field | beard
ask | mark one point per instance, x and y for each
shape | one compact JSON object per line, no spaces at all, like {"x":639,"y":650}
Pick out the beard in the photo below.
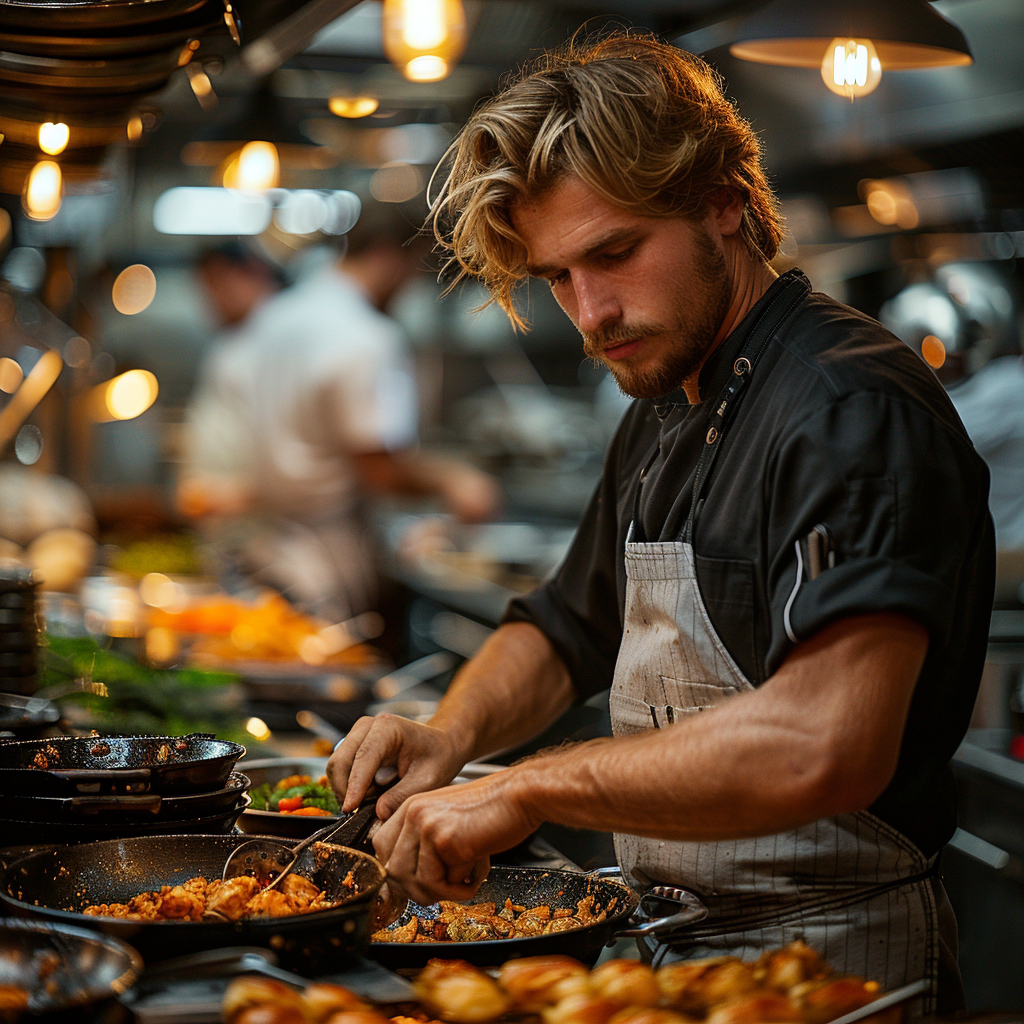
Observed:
{"x":688,"y":337}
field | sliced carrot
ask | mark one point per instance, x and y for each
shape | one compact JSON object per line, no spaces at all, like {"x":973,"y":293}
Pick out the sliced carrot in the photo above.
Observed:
{"x":289,"y":803}
{"x":311,"y":812}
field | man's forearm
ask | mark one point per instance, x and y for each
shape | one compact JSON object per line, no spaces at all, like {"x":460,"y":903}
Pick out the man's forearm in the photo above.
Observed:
{"x":514,"y":687}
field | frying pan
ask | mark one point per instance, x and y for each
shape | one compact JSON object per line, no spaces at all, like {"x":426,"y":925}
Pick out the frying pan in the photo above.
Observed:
{"x":109,"y":807}
{"x":130,"y":765}
{"x":531,"y":887}
{"x":56,"y":884}
{"x":61,"y":15}
{"x":92,"y":968}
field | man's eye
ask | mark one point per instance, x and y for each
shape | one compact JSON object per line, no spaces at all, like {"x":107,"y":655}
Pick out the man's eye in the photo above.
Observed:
{"x":620,"y":255}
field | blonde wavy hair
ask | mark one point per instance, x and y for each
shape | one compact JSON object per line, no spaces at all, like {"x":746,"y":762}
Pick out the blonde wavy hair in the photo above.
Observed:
{"x":644,"y":124}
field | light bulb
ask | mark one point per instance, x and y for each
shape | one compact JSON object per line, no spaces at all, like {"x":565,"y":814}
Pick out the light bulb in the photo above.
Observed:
{"x":43,"y":191}
{"x":851,"y":67}
{"x":130,"y":394}
{"x":256,"y":168}
{"x":424,"y":37}
{"x":353,"y":106}
{"x":53,"y":138}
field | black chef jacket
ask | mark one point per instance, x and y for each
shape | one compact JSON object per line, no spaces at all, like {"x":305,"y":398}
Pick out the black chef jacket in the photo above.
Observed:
{"x":841,"y":425}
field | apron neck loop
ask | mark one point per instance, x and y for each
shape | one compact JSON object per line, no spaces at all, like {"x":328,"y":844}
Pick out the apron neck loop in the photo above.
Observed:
{"x":724,"y":408}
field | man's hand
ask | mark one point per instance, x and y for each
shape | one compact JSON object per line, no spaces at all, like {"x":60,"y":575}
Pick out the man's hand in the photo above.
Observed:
{"x":425,"y":758}
{"x":437,"y":845}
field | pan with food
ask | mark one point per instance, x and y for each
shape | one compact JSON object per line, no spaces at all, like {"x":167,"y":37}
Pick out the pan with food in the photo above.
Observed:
{"x":60,"y":884}
{"x":66,"y":765}
{"x":525,"y":911}
{"x":49,"y":968}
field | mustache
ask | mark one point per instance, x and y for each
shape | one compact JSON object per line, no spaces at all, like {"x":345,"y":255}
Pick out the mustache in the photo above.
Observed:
{"x":595,"y":342}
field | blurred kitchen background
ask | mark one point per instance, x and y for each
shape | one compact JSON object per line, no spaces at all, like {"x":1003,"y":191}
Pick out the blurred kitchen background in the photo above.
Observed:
{"x":145,"y":141}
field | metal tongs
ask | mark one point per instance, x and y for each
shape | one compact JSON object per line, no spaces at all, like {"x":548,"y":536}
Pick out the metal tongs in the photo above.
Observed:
{"x":264,"y":856}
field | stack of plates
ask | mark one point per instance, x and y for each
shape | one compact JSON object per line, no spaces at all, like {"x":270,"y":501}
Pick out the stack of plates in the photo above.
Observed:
{"x":19,"y":632}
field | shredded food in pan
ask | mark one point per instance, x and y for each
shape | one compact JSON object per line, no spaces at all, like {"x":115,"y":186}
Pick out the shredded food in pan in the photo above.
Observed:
{"x":477,"y":922}
{"x":237,"y":898}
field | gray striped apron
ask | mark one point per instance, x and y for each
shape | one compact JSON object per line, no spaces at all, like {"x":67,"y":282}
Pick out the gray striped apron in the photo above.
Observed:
{"x":850,"y":886}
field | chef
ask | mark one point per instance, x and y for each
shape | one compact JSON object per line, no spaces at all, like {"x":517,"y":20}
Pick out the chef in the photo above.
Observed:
{"x":784,"y":576}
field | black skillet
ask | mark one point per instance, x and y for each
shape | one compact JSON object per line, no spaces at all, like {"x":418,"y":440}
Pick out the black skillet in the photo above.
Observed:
{"x":56,"y":884}
{"x":531,"y":887}
{"x":116,"y":764}
{"x":89,"y":969}
{"x":94,"y":15}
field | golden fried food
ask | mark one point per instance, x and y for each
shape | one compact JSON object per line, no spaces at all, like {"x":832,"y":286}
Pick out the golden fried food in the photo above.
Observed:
{"x":582,"y":1008}
{"x":782,"y":969}
{"x":477,"y":922}
{"x":270,"y":1015}
{"x":237,"y":898}
{"x":323,"y":999}
{"x":830,"y":999}
{"x":538,"y":981}
{"x":13,"y":1000}
{"x":459,"y":992}
{"x":366,"y":1016}
{"x":694,"y":986}
{"x":253,"y":991}
{"x":650,"y":1015}
{"x":756,"y":1008}
{"x":626,"y":982}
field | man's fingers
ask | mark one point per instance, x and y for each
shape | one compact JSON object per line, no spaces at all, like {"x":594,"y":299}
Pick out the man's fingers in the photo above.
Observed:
{"x":380,"y":744}
{"x":340,"y":763}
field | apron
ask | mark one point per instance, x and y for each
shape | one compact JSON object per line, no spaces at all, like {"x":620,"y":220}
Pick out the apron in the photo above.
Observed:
{"x":851,"y":887}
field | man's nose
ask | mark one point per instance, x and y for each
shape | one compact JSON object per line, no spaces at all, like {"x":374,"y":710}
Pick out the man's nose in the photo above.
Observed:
{"x":596,"y":306}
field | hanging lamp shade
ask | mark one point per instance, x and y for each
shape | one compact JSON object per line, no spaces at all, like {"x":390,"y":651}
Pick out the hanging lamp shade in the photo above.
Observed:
{"x":906,"y":34}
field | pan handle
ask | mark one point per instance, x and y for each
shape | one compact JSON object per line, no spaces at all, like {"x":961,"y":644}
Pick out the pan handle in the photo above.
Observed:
{"x":691,"y":910}
{"x":102,"y":774}
{"x":144,"y":802}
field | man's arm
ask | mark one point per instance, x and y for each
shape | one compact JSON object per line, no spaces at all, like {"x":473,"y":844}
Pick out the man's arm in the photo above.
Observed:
{"x":513,"y":688}
{"x":820,"y":737}
{"x":472,"y":496}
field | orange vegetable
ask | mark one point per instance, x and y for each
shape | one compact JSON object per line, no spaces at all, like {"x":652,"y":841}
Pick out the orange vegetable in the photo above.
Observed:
{"x":289,"y":803}
{"x":309,"y":812}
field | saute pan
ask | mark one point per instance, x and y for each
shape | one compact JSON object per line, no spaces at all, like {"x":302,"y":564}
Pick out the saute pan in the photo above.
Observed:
{"x":531,"y":887}
{"x":116,"y":764}
{"x":57,"y":884}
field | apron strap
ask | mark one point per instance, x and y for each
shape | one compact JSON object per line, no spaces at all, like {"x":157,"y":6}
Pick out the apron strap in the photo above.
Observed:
{"x":724,"y":408}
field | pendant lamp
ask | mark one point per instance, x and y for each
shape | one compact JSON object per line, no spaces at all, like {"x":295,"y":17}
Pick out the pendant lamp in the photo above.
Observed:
{"x":851,"y":41}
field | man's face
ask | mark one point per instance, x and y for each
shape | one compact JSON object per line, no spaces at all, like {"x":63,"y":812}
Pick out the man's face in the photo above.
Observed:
{"x":648,"y":294}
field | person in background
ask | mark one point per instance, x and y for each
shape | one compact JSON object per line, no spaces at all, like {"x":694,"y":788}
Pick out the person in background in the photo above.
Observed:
{"x":316,"y":410}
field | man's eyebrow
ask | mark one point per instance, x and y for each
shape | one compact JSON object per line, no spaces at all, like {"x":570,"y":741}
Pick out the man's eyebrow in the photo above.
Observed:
{"x":615,"y":237}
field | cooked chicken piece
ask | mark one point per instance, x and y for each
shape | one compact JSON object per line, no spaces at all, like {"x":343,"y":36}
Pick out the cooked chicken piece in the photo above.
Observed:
{"x":180,"y":904}
{"x":110,"y":910}
{"x":403,"y":933}
{"x":200,"y":886}
{"x":473,"y":910}
{"x":468,"y":929}
{"x":252,"y":991}
{"x":270,"y":1015}
{"x":563,"y":912}
{"x":272,"y":903}
{"x":650,"y":1015}
{"x":231,"y":898}
{"x":587,"y":913}
{"x":626,"y":982}
{"x":459,"y":992}
{"x":694,"y":986}
{"x":322,"y":1000}
{"x":538,"y":981}
{"x":300,"y":889}
{"x":830,"y":999}
{"x":562,"y":924}
{"x":163,"y":754}
{"x":583,"y":1008}
{"x":756,"y":1008}
{"x":500,"y":928}
{"x":783,"y":968}
{"x":358,"y":1017}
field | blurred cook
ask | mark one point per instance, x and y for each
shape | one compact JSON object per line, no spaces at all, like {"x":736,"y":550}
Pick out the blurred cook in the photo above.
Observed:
{"x":785,"y":575}
{"x":323,"y":401}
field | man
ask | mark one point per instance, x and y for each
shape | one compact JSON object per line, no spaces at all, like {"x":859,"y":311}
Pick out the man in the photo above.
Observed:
{"x":784,"y":576}
{"x":323,"y":402}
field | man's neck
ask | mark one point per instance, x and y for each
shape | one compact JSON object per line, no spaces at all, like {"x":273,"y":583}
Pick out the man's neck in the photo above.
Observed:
{"x":750,"y":279}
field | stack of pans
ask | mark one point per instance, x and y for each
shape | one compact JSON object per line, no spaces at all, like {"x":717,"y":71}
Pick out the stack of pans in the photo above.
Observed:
{"x":19,"y":631}
{"x":80,"y":789}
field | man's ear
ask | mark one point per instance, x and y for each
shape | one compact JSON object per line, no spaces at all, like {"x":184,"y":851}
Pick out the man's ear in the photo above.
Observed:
{"x":725,"y":207}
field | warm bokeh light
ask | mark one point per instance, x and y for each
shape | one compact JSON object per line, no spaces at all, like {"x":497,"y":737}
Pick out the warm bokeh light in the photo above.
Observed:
{"x":33,"y":389}
{"x":933,"y":351}
{"x":43,"y":191}
{"x":424,"y":38}
{"x":255,"y":169}
{"x":134,"y":289}
{"x":160,"y":591}
{"x":130,"y":394}
{"x":162,"y":646}
{"x":77,"y":352}
{"x":134,"y":128}
{"x":396,"y":182}
{"x":353,"y":106}
{"x":890,"y":202}
{"x":851,"y":67}
{"x":53,"y":137}
{"x":10,"y":375}
{"x":257,"y":728}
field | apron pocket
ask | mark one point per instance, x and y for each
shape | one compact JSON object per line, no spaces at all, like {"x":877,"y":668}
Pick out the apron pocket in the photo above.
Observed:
{"x":727,"y":589}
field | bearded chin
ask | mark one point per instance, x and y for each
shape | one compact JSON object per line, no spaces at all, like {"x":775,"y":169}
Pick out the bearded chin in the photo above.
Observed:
{"x":663,"y":379}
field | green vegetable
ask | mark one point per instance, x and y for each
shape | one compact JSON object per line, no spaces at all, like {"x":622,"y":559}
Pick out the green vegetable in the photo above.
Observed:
{"x":260,"y":797}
